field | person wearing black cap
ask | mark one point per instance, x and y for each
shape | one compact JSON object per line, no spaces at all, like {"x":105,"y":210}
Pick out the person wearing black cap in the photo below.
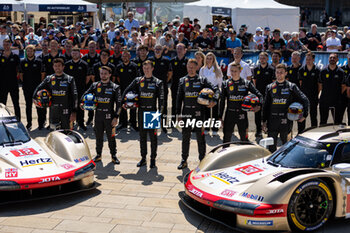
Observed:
{"x":85,"y":39}
{"x":243,"y":37}
{"x":103,"y":42}
{"x":142,"y":55}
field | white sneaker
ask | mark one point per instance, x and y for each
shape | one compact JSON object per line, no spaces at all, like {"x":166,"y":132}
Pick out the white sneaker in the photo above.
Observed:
{"x":215,"y":133}
{"x":206,"y":132}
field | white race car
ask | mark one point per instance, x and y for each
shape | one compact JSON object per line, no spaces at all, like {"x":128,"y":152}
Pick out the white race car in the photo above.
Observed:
{"x":58,"y":164}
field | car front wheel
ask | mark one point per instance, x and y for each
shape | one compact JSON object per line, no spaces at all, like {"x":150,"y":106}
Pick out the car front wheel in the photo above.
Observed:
{"x":310,"y":206}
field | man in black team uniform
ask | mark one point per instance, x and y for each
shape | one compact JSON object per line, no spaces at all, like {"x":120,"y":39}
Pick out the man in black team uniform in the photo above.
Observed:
{"x":64,"y":96}
{"x":9,"y":64}
{"x":91,"y":58}
{"x":178,"y":65}
{"x":150,"y":91}
{"x":308,"y":78}
{"x":104,"y":55}
{"x":30,"y":75}
{"x":116,"y":58}
{"x":142,"y":56}
{"x":47,"y":66}
{"x":78,"y":69}
{"x":263,"y":75}
{"x":125,"y":73}
{"x":188,"y":108}
{"x":279,"y":95}
{"x":162,"y":71}
{"x":108,"y":97}
{"x":293,"y":69}
{"x":346,"y":69}
{"x":233,"y":91}
{"x":332,"y":83}
{"x":68,"y":46}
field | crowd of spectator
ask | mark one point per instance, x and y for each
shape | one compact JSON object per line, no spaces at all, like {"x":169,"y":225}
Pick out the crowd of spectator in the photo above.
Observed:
{"x":218,"y":36}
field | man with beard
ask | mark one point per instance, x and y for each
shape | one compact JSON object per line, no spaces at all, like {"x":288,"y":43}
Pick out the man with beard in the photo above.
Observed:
{"x":78,"y":69}
{"x":142,"y":52}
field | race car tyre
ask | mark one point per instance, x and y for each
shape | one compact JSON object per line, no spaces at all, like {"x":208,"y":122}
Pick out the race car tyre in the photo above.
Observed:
{"x":310,"y":206}
{"x":86,"y":182}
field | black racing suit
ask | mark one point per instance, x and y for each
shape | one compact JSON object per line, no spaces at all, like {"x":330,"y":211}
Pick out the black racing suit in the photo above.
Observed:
{"x":108,"y":97}
{"x":64,"y":99}
{"x":277,"y":100}
{"x":190,"y":109}
{"x":149,"y":90}
{"x":232,"y":93}
{"x":345,"y":99}
{"x":309,"y":86}
{"x":31,"y":70}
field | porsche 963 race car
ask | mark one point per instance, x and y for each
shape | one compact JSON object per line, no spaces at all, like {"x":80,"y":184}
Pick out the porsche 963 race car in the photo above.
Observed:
{"x":299,"y":187}
{"x":33,"y":168}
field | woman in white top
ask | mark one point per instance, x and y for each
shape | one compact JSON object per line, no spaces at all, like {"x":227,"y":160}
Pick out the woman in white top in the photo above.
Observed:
{"x":212,"y":71}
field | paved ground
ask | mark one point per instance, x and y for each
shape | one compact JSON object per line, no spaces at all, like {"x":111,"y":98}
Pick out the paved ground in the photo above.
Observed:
{"x":128,"y":199}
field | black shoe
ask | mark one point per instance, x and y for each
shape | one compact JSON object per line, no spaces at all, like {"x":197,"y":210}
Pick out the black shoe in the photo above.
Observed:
{"x":165,"y":130}
{"x":89,"y":122}
{"x":258,"y":134}
{"x":201,"y":157}
{"x":135,"y":128}
{"x":182,"y":165}
{"x":115,"y":160}
{"x":141,"y":163}
{"x":83,"y":127}
{"x":153,"y":163}
{"x":29,"y":126}
{"x":98,"y":158}
{"x":41,"y":127}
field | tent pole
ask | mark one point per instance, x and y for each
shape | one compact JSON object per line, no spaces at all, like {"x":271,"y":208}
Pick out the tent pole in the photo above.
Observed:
{"x":100,"y":10}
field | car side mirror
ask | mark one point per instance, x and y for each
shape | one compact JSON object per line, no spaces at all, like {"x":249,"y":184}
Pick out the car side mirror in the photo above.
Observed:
{"x":341,"y":168}
{"x":266,"y":142}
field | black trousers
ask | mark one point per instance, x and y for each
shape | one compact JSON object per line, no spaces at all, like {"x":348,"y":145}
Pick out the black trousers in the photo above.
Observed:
{"x":80,"y":112}
{"x":313,"y":116}
{"x":14,"y":93}
{"x":143,"y":138}
{"x":60,"y":116}
{"x":278,"y":126}
{"x":233,"y":118}
{"x":41,"y":112}
{"x":214,"y":115}
{"x":124,"y":117}
{"x":336,"y":112}
{"x":186,"y":138}
{"x":165,"y":106}
{"x":257,"y":118}
{"x":101,"y":126}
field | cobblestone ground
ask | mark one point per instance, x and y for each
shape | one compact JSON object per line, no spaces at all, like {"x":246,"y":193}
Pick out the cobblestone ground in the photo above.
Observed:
{"x":128,"y":199}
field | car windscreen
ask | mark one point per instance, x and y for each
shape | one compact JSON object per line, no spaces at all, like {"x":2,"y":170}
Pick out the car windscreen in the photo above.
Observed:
{"x":13,"y":132}
{"x":301,"y":152}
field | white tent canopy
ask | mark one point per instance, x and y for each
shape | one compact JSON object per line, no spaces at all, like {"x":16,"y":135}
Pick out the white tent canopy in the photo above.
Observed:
{"x":253,"y":13}
{"x":11,"y":5}
{"x":60,"y":5}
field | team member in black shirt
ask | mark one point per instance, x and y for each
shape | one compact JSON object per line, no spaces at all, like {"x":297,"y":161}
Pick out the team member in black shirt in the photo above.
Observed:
{"x":9,"y":63}
{"x":30,"y":75}
{"x":178,"y":65}
{"x":125,"y":73}
{"x":142,"y":55}
{"x":264,"y":74}
{"x":116,"y":58}
{"x":293,"y":69}
{"x":104,"y":55}
{"x":47,"y":67}
{"x":332,"y":84}
{"x":346,"y":69}
{"x":162,"y":71}
{"x":78,"y":69}
{"x":308,"y":79}
{"x":92,"y":57}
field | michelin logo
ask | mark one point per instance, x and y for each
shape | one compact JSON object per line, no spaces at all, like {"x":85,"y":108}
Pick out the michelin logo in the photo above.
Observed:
{"x":259,"y":223}
{"x":151,"y":120}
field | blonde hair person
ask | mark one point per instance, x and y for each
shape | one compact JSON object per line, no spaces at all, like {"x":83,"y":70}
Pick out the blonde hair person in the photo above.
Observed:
{"x":212,"y":72}
{"x":200,"y":57}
